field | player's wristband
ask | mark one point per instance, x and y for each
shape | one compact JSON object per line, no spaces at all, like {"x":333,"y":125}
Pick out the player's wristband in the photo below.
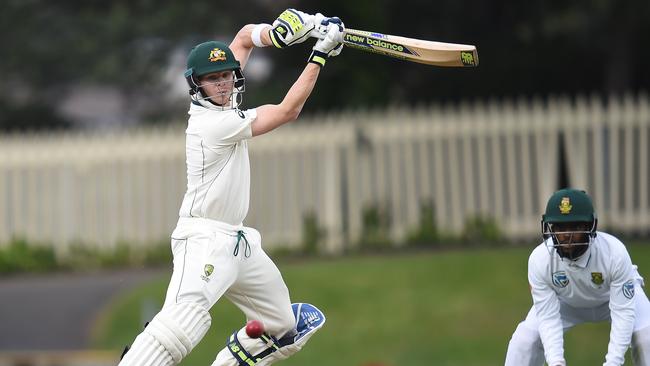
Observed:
{"x":256,"y":35}
{"x":318,"y":58}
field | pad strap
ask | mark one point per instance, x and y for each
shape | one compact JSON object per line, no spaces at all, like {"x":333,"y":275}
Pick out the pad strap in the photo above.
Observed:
{"x":244,"y":358}
{"x":239,"y":353}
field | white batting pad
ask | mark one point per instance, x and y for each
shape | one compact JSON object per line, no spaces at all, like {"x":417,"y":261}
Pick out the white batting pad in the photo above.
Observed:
{"x":170,"y":336}
{"x":147,"y":351}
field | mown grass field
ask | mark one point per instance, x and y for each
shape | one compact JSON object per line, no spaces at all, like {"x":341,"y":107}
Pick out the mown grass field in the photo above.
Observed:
{"x":418,"y":308}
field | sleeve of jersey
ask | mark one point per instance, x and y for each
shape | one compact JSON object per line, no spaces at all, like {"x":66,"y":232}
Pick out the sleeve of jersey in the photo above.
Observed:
{"x":232,"y":128}
{"x":621,"y":306}
{"x":547,"y":307}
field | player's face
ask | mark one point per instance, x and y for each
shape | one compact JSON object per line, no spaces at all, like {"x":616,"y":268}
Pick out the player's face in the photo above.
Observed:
{"x":570,"y":233}
{"x":218,"y":86}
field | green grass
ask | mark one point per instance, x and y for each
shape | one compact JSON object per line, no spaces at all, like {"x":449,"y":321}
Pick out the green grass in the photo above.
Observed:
{"x":425,"y":308}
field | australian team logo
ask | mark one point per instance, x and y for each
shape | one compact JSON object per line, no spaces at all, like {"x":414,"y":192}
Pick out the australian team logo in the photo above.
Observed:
{"x":597,"y":278}
{"x":565,"y":206}
{"x":207,"y":270}
{"x":217,"y":54}
{"x":628,"y":289}
{"x":560,"y":279}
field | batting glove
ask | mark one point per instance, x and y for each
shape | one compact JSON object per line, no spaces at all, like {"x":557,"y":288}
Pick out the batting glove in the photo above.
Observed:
{"x":292,"y":27}
{"x":331,"y":43}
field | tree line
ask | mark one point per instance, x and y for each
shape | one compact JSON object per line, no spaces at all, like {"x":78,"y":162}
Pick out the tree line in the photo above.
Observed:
{"x":538,"y":47}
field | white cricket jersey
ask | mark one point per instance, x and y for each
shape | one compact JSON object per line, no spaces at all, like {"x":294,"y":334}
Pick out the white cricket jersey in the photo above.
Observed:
{"x":603,"y":274}
{"x":218,"y":168}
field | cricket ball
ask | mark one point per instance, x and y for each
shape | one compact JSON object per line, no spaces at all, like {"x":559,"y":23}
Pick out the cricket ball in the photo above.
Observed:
{"x":254,"y":328}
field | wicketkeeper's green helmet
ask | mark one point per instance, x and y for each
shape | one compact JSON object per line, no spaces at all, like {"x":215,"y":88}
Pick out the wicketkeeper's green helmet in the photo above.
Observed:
{"x":208,"y":57}
{"x":569,"y":206}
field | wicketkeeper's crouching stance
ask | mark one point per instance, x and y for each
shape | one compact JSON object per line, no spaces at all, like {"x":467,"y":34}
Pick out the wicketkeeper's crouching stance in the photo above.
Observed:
{"x":579,"y":275}
{"x":214,"y":254}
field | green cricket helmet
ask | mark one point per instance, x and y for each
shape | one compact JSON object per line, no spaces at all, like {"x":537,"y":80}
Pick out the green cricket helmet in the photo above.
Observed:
{"x":209,"y":57}
{"x":570,"y":212}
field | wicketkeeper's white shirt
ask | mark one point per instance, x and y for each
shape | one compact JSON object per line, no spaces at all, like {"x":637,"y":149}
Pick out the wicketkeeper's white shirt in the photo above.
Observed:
{"x":603,"y":274}
{"x":218,"y":167}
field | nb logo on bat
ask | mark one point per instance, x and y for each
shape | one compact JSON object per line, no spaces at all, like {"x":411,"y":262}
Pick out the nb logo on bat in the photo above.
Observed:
{"x":467,"y":58}
{"x":361,"y":40}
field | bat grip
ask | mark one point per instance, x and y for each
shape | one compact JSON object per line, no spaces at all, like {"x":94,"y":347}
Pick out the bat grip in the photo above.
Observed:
{"x":316,"y":34}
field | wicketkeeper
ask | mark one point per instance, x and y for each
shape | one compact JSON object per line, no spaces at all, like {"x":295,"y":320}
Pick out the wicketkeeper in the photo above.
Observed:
{"x":214,"y":254}
{"x":580,"y":275}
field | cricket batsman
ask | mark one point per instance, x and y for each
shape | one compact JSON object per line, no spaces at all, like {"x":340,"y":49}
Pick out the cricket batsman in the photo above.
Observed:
{"x":214,"y":254}
{"x":580,"y":275}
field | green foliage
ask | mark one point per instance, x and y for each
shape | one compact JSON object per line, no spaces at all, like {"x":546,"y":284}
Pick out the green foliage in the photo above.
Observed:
{"x":312,"y":233}
{"x":481,"y":230}
{"x":427,"y":231}
{"x":375,"y":222}
{"x":477,"y":230}
{"x":157,"y":255}
{"x":82,"y":257}
{"x":20,"y":257}
{"x":130,"y":45}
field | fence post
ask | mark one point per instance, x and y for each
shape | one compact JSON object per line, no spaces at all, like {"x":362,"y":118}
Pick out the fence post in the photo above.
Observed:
{"x":643,"y":119}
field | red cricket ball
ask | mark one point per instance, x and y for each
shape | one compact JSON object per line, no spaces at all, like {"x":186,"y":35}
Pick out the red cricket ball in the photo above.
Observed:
{"x":254,"y":328}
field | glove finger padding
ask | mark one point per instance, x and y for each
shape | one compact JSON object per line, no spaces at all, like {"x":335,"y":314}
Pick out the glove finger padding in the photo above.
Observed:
{"x":336,"y":51}
{"x":322,"y":24}
{"x":324,"y":29}
{"x":331,"y":44}
{"x":291,"y":27}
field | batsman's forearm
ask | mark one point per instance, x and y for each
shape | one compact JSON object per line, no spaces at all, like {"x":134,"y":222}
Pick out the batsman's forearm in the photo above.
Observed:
{"x":242,"y":45}
{"x":272,"y":116}
{"x":300,"y":90}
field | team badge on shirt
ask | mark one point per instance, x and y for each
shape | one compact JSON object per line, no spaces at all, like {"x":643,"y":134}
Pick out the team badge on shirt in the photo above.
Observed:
{"x":560,"y":279}
{"x":208,"y":269}
{"x":628,"y":289}
{"x":597,"y":278}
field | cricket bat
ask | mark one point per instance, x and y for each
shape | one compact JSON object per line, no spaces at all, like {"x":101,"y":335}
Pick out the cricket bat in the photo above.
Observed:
{"x":411,"y":49}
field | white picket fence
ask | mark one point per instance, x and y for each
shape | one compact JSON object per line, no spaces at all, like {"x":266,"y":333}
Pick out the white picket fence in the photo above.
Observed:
{"x":496,"y":159}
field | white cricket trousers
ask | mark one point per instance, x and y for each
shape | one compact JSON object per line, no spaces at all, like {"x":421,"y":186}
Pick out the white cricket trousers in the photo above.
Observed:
{"x":212,"y":259}
{"x":526,"y":349}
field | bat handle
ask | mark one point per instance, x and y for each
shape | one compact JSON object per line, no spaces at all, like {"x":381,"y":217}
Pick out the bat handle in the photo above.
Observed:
{"x":316,"y":34}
